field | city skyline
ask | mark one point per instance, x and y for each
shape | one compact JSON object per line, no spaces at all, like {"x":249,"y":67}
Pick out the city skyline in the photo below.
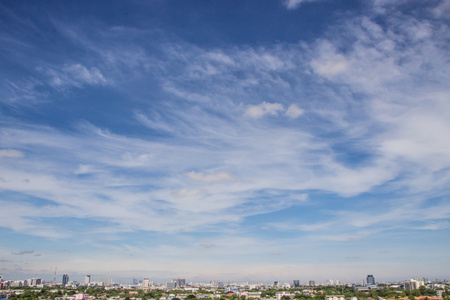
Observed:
{"x":225,"y":140}
{"x":183,"y":283}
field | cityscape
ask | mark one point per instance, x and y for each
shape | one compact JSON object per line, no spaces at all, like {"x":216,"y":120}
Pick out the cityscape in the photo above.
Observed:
{"x":414,"y":288}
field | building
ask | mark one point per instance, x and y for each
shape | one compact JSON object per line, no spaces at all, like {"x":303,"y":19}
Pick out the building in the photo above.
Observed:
{"x":181,"y":282}
{"x":146,"y":283}
{"x":312,"y":283}
{"x":87,"y":279}
{"x":414,"y":283}
{"x":335,"y":297}
{"x":171,"y":285}
{"x":296,"y":283}
{"x":36,"y":281}
{"x":370,"y":280}
{"x":279,"y":295}
{"x":65,"y":279}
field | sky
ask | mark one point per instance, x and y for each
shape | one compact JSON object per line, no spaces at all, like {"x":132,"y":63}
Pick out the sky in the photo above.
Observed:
{"x":234,"y":140}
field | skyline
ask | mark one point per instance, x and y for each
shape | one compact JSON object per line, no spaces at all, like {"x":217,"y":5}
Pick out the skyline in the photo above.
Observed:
{"x":101,"y":281}
{"x":225,"y":140}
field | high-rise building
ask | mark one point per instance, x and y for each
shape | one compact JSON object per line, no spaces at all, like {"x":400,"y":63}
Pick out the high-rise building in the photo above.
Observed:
{"x":296,"y":283}
{"x":181,"y":282}
{"x":171,"y":285}
{"x":370,"y":280}
{"x":65,"y":279}
{"x":36,"y":281}
{"x":87,"y":279}
{"x":146,"y":283}
{"x":414,"y":283}
{"x":312,"y":283}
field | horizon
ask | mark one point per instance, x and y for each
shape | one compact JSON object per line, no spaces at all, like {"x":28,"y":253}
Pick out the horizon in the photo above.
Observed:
{"x":225,"y":140}
{"x":129,"y":280}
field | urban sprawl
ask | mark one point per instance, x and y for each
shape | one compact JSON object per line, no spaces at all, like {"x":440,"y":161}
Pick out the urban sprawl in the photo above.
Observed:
{"x":178,"y":289}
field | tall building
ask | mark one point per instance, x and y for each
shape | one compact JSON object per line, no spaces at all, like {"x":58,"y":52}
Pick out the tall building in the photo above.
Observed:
{"x":414,"y":284}
{"x":370,"y":280}
{"x":296,"y":283}
{"x":312,"y":283}
{"x":65,"y":279}
{"x":180,"y":282}
{"x":36,"y":281}
{"x":171,"y":285}
{"x":146,"y":283}
{"x":87,"y":279}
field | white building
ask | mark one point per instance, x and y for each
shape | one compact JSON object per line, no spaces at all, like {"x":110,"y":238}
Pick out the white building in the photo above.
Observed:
{"x":335,"y":297}
{"x":414,"y":283}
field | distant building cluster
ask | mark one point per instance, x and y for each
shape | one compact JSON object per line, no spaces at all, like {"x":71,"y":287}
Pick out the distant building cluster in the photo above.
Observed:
{"x":247,"y":289}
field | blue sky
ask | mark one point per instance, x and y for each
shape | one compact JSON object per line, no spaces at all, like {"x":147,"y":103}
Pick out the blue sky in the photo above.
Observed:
{"x":225,"y":140}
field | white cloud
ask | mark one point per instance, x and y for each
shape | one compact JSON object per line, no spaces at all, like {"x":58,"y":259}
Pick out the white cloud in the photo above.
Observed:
{"x":265,"y":108}
{"x":378,"y":124}
{"x":293,"y":4}
{"x":10,"y":153}
{"x":435,"y":226}
{"x":189,"y":193}
{"x":294,"y":111}
{"x":209,"y":178}
{"x":329,"y":62}
{"x":75,"y":75}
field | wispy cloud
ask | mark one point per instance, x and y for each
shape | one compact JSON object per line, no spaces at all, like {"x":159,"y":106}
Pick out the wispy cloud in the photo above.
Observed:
{"x":75,"y":75}
{"x":24,"y":252}
{"x":207,"y":245}
{"x":265,"y":108}
{"x":209,"y":178}
{"x":293,"y":4}
{"x":10,"y":153}
{"x":211,"y":142}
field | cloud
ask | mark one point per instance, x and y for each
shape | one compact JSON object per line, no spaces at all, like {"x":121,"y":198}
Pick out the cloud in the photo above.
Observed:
{"x":10,"y":153}
{"x":375,"y":136}
{"x":329,"y":63}
{"x":435,"y":226}
{"x":84,"y":169}
{"x":24,"y":252}
{"x":189,"y":193}
{"x":294,"y":111}
{"x":211,"y":178}
{"x":75,"y":75}
{"x":293,"y":4}
{"x":265,"y":108}
{"x":207,"y":245}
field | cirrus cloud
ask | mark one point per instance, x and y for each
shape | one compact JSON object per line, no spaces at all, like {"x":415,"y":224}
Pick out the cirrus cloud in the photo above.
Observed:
{"x":210,"y":178}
